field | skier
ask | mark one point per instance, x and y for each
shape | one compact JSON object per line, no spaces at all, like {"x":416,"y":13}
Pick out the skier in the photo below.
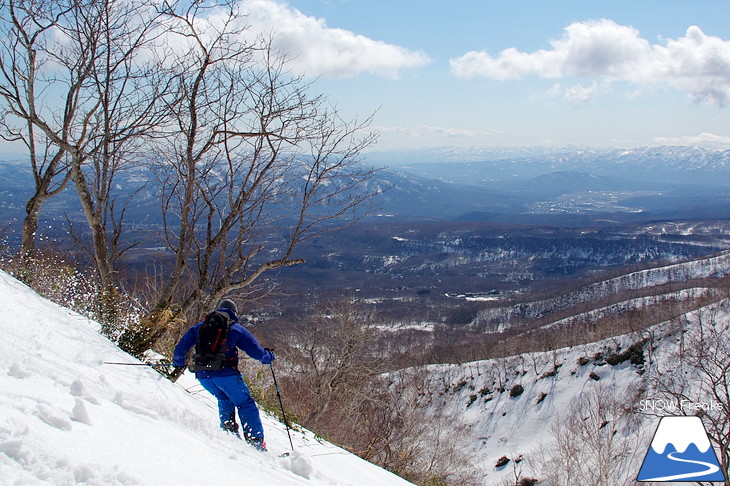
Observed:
{"x":227,"y":384}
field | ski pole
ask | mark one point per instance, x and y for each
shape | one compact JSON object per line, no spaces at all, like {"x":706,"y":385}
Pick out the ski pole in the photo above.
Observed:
{"x":281,"y":405}
{"x":172,"y":376}
{"x":154,"y":365}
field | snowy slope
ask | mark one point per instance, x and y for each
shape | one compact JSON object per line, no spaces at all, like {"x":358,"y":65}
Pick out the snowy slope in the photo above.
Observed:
{"x":494,"y":423}
{"x":68,"y":419}
{"x":477,"y":397}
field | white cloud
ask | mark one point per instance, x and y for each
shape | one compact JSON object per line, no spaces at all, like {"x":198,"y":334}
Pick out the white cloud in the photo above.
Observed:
{"x":575,"y":94}
{"x":696,"y":63}
{"x":426,"y":131}
{"x":703,"y":139}
{"x":400,"y":137}
{"x":318,"y":50}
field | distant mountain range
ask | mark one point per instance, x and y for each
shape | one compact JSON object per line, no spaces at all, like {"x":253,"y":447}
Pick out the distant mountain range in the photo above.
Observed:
{"x":578,"y":186}
{"x":475,"y":165}
{"x":574,"y":186}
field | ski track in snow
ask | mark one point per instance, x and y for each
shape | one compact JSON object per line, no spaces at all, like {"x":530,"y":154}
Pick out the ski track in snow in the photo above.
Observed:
{"x":68,"y":419}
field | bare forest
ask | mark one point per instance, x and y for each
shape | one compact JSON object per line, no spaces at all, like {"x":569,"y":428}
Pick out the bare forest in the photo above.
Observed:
{"x":251,"y":162}
{"x":388,"y":336}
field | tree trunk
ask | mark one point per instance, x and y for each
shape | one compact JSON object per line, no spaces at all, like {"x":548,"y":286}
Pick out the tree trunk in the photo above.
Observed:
{"x":105,"y":272}
{"x":27,"y":244}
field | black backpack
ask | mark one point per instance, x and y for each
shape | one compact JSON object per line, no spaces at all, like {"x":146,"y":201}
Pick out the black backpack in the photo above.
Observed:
{"x":211,"y":346}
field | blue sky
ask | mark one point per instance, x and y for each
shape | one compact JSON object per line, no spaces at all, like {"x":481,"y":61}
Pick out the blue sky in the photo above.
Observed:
{"x":518,"y":73}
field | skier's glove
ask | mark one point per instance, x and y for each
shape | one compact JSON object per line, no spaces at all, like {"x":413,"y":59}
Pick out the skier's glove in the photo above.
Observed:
{"x":176,"y":372}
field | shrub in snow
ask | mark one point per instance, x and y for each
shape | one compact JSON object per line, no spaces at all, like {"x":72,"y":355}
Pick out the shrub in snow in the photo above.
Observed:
{"x":472,"y":399}
{"x":459,"y":386}
{"x":635,"y":354}
{"x":516,"y":391}
{"x":502,"y":461}
{"x":552,"y":372}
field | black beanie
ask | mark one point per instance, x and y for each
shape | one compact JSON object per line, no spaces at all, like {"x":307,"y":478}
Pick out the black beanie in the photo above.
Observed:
{"x":228,"y":304}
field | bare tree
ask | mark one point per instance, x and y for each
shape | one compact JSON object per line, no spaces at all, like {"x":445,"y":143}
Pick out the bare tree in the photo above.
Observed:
{"x":331,"y":364}
{"x":596,"y":441}
{"x":75,"y":74}
{"x":49,"y":165}
{"x":24,"y":29}
{"x":251,"y":164}
{"x":399,"y":439}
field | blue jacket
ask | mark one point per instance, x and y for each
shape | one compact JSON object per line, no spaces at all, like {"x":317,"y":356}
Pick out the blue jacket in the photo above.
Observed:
{"x":238,"y":337}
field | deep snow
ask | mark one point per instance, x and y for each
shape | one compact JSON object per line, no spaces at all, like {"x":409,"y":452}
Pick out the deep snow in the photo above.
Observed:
{"x":68,"y":419}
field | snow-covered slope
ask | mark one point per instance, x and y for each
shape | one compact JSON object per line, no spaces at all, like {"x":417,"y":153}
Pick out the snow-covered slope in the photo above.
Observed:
{"x":66,"y":418}
{"x":510,"y":411}
{"x":506,"y":407}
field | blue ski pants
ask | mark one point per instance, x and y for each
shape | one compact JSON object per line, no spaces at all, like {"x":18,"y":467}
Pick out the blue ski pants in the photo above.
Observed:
{"x":232,"y":393}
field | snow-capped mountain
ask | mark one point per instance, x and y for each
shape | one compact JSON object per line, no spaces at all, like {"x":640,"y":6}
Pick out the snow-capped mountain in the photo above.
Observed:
{"x":661,"y":164}
{"x":67,"y":418}
{"x":578,"y":184}
{"x":519,"y":185}
{"x":662,"y":161}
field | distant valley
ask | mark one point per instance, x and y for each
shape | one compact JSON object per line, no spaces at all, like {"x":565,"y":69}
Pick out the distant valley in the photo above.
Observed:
{"x":457,"y":233}
{"x":563,"y":187}
{"x":493,"y":294}
{"x":527,"y":186}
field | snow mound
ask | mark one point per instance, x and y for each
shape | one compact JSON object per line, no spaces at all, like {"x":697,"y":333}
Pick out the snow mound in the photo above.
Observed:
{"x":66,"y":418}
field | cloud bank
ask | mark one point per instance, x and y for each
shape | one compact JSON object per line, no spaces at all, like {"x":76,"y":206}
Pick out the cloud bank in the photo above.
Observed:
{"x":695,"y":63}
{"x":703,"y":139}
{"x":427,"y":131}
{"x":318,"y":50}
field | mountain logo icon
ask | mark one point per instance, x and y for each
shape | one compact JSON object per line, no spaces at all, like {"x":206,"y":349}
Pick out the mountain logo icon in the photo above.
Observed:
{"x":681,"y":452}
